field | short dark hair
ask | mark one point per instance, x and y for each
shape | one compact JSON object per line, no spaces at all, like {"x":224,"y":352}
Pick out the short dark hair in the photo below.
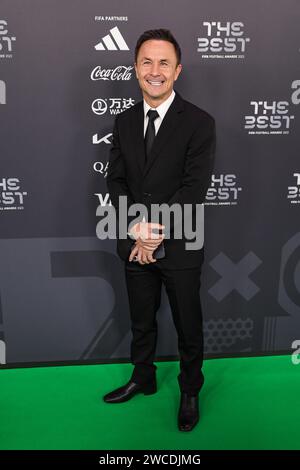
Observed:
{"x":160,"y":34}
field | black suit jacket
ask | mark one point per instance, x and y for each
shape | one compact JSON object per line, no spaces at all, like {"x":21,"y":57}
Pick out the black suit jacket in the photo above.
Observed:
{"x":178,"y":169}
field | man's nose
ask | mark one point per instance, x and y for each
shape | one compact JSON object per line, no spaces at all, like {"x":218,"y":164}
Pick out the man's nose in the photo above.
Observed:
{"x":155,"y":69}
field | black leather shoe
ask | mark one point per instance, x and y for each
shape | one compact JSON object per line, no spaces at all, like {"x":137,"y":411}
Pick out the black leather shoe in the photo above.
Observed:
{"x":188,"y":414}
{"x":128,"y":391}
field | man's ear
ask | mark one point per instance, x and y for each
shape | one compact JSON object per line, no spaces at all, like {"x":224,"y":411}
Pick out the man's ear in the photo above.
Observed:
{"x":178,"y":70}
{"x":135,"y":68}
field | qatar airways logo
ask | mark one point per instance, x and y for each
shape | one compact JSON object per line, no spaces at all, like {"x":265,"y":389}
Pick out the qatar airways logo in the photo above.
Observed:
{"x":273,"y":116}
{"x":223,"y":40}
{"x":121,"y":72}
{"x":101,"y":168}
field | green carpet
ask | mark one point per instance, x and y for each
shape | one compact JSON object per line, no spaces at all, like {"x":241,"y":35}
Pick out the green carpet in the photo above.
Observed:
{"x":246,"y":403}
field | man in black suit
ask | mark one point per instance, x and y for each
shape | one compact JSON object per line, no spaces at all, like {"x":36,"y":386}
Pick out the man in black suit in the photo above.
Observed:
{"x":163,"y":153}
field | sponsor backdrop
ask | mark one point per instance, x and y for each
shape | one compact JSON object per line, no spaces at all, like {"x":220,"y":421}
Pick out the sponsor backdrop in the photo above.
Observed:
{"x":66,"y":70}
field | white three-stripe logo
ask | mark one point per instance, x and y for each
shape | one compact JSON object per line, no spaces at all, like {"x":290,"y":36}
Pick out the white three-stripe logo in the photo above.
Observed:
{"x":109,"y":44}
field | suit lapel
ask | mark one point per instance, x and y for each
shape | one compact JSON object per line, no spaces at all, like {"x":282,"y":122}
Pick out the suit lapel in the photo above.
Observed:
{"x":167,"y":127}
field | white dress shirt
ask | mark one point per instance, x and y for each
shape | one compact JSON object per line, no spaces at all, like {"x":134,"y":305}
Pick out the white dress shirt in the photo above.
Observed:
{"x":161,"y":109}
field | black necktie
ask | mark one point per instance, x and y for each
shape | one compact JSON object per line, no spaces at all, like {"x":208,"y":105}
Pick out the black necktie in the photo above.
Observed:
{"x":149,"y":138}
{"x":150,"y":132}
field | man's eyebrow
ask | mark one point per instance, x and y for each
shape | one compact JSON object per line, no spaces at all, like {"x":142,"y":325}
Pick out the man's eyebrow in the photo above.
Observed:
{"x":161,"y":60}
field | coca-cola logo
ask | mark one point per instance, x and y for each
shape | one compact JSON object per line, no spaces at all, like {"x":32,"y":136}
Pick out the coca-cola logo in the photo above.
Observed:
{"x":121,"y":72}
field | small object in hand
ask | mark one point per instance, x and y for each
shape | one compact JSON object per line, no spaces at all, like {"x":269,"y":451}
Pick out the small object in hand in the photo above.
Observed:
{"x":159,"y":252}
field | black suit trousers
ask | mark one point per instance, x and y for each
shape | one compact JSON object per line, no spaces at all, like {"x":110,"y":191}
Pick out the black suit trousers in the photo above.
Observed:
{"x":144,"y":283}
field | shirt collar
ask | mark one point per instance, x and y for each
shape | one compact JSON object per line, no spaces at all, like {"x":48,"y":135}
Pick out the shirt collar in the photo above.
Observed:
{"x":162,"y":108}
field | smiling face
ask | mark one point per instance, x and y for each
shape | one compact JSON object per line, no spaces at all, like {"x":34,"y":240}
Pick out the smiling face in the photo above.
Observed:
{"x":156,"y":70}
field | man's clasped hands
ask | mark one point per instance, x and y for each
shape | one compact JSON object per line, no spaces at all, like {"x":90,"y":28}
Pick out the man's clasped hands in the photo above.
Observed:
{"x":146,"y":241}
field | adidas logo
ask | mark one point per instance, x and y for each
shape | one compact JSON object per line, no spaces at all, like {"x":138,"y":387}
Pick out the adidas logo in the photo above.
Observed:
{"x":109,"y":44}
